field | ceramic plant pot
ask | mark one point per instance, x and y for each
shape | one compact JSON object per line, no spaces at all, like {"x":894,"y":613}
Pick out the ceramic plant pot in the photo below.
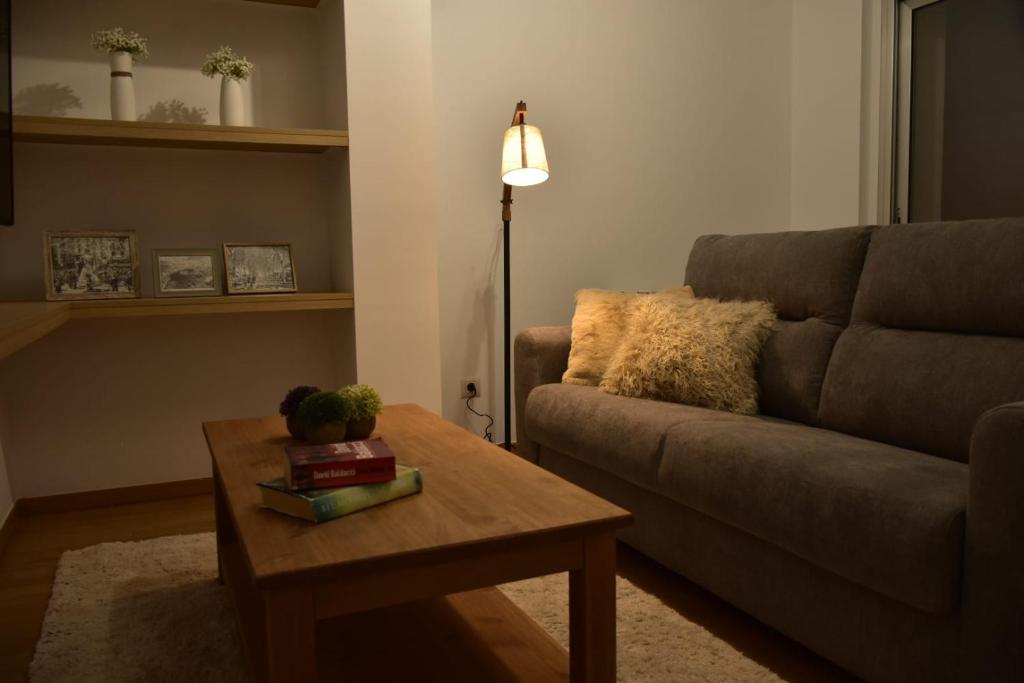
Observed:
{"x":361,"y":429}
{"x":295,"y":427}
{"x":232,"y":109}
{"x":329,"y":432}
{"x":122,"y":87}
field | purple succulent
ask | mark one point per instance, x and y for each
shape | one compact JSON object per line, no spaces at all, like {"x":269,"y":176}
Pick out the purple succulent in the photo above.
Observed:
{"x":290,"y":404}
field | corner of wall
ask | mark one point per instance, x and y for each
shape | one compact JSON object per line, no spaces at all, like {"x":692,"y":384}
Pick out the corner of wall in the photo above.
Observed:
{"x":877,"y":81}
{"x":826,"y":113}
{"x":392,"y":168}
{"x":789,"y":117}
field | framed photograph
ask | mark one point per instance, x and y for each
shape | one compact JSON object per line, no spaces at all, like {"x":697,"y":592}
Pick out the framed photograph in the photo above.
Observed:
{"x":187,"y":272}
{"x":259,"y":268}
{"x":91,"y":265}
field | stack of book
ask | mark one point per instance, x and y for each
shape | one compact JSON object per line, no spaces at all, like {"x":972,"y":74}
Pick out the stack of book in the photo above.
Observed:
{"x":327,"y":481}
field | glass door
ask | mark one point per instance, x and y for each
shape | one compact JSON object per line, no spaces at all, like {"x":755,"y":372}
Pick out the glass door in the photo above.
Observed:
{"x":960,"y":110}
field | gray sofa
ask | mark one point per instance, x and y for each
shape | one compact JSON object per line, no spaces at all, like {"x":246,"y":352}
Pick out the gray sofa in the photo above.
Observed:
{"x":874,"y":510}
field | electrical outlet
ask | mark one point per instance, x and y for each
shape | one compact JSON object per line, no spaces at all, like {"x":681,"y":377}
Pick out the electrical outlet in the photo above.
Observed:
{"x":468,"y":382}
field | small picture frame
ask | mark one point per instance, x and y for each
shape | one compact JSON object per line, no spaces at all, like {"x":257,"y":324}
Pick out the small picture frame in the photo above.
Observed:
{"x":82,"y":264}
{"x":187,"y":272}
{"x":259,"y":268}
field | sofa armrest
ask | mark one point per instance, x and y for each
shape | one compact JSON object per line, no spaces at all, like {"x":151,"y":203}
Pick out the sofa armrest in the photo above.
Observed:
{"x":994,"y":561}
{"x":541,"y":356}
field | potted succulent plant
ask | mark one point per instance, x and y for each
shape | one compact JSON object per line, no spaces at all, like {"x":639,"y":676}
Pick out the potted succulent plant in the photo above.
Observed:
{"x":323,"y":416}
{"x":289,"y":408}
{"x":365,"y":404}
{"x":233,"y":69}
{"x":123,"y":47}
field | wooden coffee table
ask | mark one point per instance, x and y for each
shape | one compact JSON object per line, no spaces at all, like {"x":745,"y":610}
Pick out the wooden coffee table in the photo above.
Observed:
{"x":485,"y":517}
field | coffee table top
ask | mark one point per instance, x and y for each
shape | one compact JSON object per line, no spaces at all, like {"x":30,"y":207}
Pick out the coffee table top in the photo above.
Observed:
{"x":473,"y":493}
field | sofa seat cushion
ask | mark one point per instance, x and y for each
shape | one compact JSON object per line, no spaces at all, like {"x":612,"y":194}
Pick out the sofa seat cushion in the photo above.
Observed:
{"x":622,"y":436}
{"x":887,"y":518}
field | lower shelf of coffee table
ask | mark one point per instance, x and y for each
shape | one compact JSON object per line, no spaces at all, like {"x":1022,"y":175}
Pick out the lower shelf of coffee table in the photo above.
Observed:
{"x":475,"y":636}
{"x":479,"y":635}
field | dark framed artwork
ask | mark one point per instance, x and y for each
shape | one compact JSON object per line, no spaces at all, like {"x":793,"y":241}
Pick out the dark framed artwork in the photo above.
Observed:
{"x":91,"y":265}
{"x":187,"y":272}
{"x":254,"y":268}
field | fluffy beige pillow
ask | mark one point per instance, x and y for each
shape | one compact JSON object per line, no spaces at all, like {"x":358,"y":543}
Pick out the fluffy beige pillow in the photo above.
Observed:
{"x":597,"y":328}
{"x":701,"y":352}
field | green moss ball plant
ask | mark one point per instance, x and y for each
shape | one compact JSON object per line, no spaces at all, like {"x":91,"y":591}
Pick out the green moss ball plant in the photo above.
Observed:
{"x":323,"y":416}
{"x":366,"y":403}
{"x":290,"y":407}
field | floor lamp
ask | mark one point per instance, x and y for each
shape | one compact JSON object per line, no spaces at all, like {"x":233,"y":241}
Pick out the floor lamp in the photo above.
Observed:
{"x":523,"y":163}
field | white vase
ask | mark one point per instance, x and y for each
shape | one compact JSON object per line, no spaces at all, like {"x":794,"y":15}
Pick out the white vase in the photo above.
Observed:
{"x":122,"y":87}
{"x":232,"y":109}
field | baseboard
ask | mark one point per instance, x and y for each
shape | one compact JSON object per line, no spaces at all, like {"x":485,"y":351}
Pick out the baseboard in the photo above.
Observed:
{"x":7,"y":526}
{"x":84,"y":500}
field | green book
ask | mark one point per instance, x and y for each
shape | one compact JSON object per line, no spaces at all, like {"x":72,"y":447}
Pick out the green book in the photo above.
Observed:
{"x":320,"y":505}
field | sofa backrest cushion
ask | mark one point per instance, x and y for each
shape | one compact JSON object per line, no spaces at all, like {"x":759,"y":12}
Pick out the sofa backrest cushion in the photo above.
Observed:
{"x":811,"y":278}
{"x":936,"y":336}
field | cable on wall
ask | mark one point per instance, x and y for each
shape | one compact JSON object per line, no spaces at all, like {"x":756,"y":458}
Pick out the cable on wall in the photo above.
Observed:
{"x":487,"y":430}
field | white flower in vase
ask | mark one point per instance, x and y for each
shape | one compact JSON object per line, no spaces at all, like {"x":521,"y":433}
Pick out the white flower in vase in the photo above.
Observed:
{"x":233,"y":69}
{"x":123,"y":47}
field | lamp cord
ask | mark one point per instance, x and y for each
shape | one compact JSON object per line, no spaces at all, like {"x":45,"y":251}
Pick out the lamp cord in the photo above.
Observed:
{"x":487,"y":430}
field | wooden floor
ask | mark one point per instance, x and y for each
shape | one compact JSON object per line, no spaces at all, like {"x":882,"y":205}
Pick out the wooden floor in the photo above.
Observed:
{"x":36,"y":542}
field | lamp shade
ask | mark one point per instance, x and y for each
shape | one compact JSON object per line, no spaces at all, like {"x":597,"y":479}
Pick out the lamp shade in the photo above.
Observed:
{"x":523,"y":161}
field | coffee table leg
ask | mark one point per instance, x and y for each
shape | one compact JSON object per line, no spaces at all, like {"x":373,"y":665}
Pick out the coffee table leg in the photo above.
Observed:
{"x":225,"y":533}
{"x":592,"y":613}
{"x":291,"y":635}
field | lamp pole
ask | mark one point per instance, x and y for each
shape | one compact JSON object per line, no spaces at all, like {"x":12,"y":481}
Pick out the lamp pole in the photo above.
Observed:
{"x":506,"y":218}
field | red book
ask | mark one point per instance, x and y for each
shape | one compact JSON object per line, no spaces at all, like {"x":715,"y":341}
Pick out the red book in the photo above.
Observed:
{"x":338,"y":464}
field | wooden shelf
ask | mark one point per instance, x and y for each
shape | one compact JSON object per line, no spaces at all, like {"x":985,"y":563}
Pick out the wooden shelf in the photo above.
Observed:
{"x":293,"y":3}
{"x":68,"y":131}
{"x":241,"y":303}
{"x":22,"y":323}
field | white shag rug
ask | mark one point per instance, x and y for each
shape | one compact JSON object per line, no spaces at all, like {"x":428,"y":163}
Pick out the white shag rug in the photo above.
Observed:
{"x":130,"y":612}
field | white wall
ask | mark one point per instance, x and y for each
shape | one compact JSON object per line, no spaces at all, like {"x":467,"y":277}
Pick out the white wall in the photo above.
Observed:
{"x":394,"y":217}
{"x":826,"y":112}
{"x":663,"y":120}
{"x":100,"y":404}
{"x":877,"y":28}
